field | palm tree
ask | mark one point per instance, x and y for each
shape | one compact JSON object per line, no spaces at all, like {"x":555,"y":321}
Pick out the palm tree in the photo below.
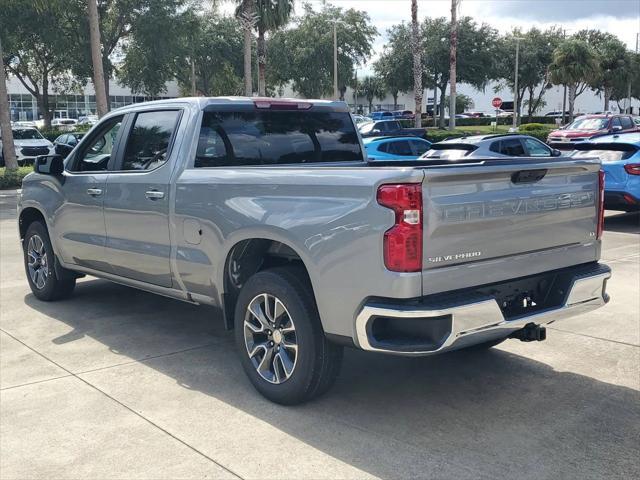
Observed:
{"x":416,"y":46}
{"x":271,"y":15}
{"x":246,"y":14}
{"x":5,"y":121}
{"x":371,"y":88}
{"x":453,"y":47}
{"x":96,"y":58}
{"x":575,"y":63}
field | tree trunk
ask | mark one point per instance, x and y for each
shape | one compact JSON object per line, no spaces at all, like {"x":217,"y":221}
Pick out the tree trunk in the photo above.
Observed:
{"x":370,"y":100}
{"x":417,"y":63}
{"x":395,"y":100}
{"x":96,"y":58}
{"x":43,"y":102}
{"x":607,"y":98}
{"x":452,"y":64}
{"x":247,"y":25}
{"x":530,"y":108}
{"x":8,"y":149}
{"x":572,"y":100}
{"x":443,"y":96}
{"x":106,"y":89}
{"x":262,"y":62}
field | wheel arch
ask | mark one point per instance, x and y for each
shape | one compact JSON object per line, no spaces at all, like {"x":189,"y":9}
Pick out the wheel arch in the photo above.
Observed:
{"x":249,"y":256}
{"x":27,"y":216}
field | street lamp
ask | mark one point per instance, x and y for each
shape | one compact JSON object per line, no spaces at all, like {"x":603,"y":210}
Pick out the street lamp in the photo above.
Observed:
{"x":515,"y":89}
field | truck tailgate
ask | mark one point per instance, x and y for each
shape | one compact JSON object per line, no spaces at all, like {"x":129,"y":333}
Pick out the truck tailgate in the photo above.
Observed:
{"x":506,"y":209}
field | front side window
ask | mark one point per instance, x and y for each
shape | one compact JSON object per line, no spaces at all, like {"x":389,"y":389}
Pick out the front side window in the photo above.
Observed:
{"x":616,"y":123}
{"x":276,"y":138}
{"x":419,"y":147}
{"x":536,"y":149}
{"x":626,"y":122}
{"x":149,"y":140}
{"x":96,"y":154}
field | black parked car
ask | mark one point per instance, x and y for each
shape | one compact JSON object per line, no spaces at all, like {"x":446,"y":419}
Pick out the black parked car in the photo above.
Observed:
{"x":389,"y":128}
{"x":67,"y":142}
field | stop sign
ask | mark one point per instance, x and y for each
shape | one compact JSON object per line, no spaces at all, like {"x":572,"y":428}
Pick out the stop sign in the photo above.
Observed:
{"x":496,"y":102}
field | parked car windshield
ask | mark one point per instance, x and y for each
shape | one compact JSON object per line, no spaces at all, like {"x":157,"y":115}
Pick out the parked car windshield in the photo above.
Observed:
{"x":589,"y":124}
{"x":26,"y":134}
{"x":276,"y":137}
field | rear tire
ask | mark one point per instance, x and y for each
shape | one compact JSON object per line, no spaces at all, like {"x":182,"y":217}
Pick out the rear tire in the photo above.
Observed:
{"x":47,"y":283}
{"x":280,"y":340}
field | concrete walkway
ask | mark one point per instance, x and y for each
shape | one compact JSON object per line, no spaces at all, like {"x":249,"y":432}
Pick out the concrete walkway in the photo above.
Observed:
{"x":118,"y":383}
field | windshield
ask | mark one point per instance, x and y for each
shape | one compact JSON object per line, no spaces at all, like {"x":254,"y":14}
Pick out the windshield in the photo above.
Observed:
{"x":589,"y":124}
{"x":26,"y":134}
{"x":367,"y":127}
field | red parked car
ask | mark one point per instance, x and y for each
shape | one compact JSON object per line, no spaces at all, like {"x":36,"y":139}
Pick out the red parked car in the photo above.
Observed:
{"x":589,"y":125}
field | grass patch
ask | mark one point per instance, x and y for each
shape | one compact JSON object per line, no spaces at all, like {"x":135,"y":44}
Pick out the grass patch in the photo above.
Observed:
{"x":13,"y":179}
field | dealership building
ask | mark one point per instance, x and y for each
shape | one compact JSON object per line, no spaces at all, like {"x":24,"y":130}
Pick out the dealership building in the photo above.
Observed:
{"x":23,"y":106}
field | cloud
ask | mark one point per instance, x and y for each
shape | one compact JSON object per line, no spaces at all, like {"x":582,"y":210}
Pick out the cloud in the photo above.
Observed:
{"x":556,"y":10}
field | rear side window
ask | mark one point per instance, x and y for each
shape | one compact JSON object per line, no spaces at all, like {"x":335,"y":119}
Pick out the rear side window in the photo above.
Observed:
{"x":400,"y":148}
{"x":276,"y":138}
{"x":511,"y":147}
{"x":148,"y":143}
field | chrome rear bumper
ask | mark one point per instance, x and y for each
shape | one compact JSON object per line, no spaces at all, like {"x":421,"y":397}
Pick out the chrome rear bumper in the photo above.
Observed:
{"x":482,"y":320}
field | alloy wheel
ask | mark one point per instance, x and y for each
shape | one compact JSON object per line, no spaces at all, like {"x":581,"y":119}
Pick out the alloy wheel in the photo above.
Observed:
{"x":270,"y":338}
{"x":37,"y":262}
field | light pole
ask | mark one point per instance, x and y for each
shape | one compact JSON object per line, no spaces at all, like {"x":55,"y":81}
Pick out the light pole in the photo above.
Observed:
{"x":564,"y":91}
{"x":355,"y":94}
{"x":515,"y":85}
{"x":629,"y":86}
{"x":335,"y":61}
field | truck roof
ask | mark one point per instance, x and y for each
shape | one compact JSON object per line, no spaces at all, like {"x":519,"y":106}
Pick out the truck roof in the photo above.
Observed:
{"x":204,"y":102}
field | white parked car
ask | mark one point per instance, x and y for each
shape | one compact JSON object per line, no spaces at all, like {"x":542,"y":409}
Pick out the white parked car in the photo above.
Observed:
{"x":29,"y":144}
{"x":88,"y":120}
{"x":67,"y":124}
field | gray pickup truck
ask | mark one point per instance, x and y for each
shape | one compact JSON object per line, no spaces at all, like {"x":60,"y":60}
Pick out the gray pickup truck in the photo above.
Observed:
{"x":269,"y":211}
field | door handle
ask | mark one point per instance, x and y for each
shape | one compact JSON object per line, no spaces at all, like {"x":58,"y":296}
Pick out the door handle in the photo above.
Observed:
{"x":94,"y":192}
{"x":154,"y":194}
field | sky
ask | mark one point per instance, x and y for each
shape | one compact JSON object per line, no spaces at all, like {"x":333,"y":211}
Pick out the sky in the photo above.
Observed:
{"x":620,"y":17}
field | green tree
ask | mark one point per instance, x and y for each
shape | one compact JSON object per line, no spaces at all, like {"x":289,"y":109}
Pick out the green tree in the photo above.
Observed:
{"x":303,"y":55}
{"x":576,"y":65}
{"x":417,"y":63}
{"x":463,"y":102}
{"x":476,"y":58}
{"x":35,"y":51}
{"x":627,"y":81}
{"x":371,"y":88}
{"x":395,"y":64}
{"x":536,"y":56}
{"x":271,"y":16}
{"x":612,"y":55}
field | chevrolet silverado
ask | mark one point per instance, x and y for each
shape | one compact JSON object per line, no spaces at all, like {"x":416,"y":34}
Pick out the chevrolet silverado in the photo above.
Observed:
{"x":269,"y":210}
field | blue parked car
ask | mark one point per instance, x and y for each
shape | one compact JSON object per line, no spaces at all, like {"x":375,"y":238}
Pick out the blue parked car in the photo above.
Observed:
{"x":395,"y":148}
{"x":381,"y":115}
{"x":620,"y":156}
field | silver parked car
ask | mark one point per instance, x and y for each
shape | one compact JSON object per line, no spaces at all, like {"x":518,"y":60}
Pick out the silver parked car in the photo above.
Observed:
{"x":490,"y":146}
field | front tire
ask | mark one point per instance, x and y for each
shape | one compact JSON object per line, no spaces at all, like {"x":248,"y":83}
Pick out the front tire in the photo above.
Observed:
{"x":280,"y":340}
{"x":39,"y":262}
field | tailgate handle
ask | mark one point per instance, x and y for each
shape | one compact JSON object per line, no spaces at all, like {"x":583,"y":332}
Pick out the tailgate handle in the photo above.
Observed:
{"x":528,"y":176}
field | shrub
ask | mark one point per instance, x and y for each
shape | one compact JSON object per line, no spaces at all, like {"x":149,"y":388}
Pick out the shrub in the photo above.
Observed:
{"x":541,"y":134}
{"x":13,"y":178}
{"x":436,"y":135}
{"x":527,"y":127}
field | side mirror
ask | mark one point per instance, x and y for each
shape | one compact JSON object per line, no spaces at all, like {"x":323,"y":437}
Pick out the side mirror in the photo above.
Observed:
{"x":49,"y":165}
{"x":555,"y":152}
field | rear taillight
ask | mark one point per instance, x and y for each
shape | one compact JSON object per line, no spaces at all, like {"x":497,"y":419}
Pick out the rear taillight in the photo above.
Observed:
{"x":600,"y":227}
{"x":403,"y":241}
{"x":632,"y":168}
